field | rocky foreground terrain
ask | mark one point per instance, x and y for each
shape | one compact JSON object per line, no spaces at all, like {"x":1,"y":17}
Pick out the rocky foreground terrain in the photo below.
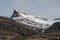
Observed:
{"x":12,"y":30}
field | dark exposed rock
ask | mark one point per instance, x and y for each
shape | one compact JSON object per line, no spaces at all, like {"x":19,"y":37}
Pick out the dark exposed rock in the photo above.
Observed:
{"x":55,"y":27}
{"x":57,"y":19}
{"x":53,"y":30}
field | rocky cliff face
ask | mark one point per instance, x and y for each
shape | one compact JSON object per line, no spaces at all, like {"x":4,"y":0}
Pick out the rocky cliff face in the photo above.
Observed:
{"x":54,"y":28}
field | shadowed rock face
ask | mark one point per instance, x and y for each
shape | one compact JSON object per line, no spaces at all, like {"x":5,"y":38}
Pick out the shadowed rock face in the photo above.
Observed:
{"x":57,"y":19}
{"x":15,"y":14}
{"x":54,"y":28}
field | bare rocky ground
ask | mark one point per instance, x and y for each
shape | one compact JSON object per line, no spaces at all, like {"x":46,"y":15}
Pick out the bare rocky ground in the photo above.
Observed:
{"x":11,"y":30}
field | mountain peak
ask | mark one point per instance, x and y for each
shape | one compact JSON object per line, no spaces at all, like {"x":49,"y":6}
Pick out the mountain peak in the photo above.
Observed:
{"x":15,"y":14}
{"x":18,"y":13}
{"x":30,"y":20}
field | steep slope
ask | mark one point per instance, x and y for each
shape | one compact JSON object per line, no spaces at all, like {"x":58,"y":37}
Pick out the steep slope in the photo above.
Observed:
{"x":55,"y":27}
{"x":31,"y":20}
{"x":9,"y":27}
{"x":6,"y":29}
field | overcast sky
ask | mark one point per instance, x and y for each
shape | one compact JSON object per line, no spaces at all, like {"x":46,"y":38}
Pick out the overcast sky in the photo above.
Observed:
{"x":44,"y":8}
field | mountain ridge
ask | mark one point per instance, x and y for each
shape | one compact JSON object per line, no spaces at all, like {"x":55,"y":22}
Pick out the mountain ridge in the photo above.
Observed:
{"x":13,"y":28}
{"x":30,"y":20}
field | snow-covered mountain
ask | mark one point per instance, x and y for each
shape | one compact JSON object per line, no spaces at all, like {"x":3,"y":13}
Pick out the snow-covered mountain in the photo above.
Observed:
{"x":34,"y":21}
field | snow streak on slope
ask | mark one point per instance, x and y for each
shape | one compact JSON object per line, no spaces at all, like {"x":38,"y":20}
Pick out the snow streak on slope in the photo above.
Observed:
{"x":31,"y":20}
